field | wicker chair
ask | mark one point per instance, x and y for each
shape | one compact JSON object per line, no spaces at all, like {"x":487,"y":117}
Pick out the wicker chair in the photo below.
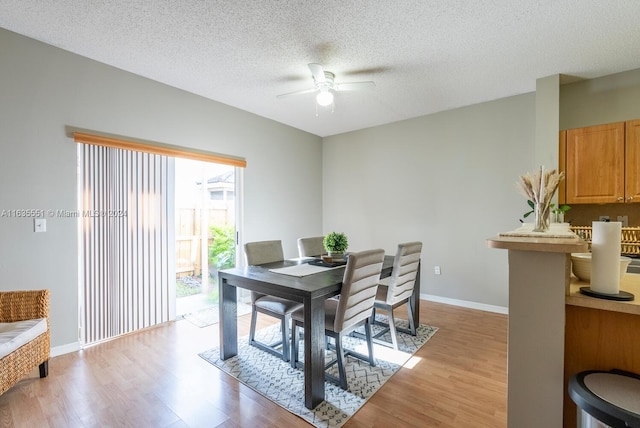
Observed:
{"x":20,"y":306}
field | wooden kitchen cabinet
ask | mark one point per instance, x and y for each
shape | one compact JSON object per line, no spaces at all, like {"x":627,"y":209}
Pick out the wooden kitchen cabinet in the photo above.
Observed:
{"x":632,"y":161}
{"x":602,"y":163}
{"x":600,"y":334}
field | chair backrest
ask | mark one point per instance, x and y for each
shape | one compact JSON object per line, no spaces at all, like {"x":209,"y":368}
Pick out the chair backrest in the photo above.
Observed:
{"x":261,"y":252}
{"x":311,"y":247}
{"x":405,"y":270}
{"x":359,"y":286}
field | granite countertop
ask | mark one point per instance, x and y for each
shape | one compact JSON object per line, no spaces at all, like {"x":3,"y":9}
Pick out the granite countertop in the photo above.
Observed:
{"x":539,"y":243}
{"x":629,"y":283}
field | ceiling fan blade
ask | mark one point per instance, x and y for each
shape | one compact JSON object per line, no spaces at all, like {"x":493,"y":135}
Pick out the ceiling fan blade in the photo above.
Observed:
{"x":304,"y":91}
{"x":354,"y":86}
{"x":318,"y":72}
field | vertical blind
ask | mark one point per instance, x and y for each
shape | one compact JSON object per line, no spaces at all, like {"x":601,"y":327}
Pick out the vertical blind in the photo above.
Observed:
{"x":127,"y":243}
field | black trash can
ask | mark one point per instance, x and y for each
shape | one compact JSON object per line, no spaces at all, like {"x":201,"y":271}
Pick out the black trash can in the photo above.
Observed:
{"x":606,"y":399}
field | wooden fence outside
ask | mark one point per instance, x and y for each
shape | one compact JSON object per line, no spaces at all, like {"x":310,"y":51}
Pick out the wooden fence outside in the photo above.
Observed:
{"x":189,"y":237}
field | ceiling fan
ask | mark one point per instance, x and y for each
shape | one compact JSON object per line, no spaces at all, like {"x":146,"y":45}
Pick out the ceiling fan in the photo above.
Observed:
{"x":325,"y":86}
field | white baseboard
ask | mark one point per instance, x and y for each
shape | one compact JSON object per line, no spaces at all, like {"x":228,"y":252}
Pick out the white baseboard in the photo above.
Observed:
{"x":65,"y":349}
{"x":73,"y":347}
{"x":465,"y":304}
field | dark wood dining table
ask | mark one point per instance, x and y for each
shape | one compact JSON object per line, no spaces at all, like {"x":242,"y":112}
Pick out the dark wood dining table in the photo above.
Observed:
{"x":312,"y":290}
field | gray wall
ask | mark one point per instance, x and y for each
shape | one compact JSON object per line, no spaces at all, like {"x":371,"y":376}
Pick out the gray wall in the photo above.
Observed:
{"x":547,"y":122}
{"x":446,"y":179}
{"x":608,"y":99}
{"x":44,"y":89}
{"x":449,"y":179}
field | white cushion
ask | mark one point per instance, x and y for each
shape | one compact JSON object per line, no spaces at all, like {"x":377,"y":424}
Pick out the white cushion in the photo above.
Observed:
{"x":15,"y":334}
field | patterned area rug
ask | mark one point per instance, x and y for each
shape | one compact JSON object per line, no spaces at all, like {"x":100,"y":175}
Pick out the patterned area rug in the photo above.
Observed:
{"x":276,"y":380}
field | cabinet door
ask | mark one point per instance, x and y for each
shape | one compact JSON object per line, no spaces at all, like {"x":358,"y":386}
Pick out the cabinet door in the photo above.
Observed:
{"x":595,"y":164}
{"x":632,"y":161}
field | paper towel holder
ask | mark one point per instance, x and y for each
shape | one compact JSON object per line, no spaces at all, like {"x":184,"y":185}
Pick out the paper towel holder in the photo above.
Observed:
{"x":620,"y":295}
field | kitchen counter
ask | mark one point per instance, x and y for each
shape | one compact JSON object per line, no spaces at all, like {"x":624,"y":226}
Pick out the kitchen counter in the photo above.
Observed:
{"x":539,"y":270}
{"x":555,"y":332}
{"x":600,"y":335}
{"x":629,"y":283}
{"x":549,"y":245}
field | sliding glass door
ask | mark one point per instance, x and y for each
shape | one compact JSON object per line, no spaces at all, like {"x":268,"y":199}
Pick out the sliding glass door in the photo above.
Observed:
{"x":154,"y":231}
{"x":205,"y":207}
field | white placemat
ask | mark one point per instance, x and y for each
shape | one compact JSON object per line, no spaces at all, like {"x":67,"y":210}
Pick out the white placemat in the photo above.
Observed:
{"x":302,"y":269}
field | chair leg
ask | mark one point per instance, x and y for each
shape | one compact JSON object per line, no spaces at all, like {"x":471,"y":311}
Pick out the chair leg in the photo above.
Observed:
{"x":285,"y":338}
{"x":392,"y":329}
{"x":252,"y":328}
{"x":342,"y":374}
{"x":367,"y":330}
{"x":412,"y":326}
{"x":294,"y":344}
{"x":372,"y":318}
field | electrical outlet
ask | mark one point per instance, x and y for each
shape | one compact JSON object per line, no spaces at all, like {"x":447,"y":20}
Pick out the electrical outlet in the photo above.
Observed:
{"x":604,"y":218}
{"x":624,"y":219}
{"x":436,"y":270}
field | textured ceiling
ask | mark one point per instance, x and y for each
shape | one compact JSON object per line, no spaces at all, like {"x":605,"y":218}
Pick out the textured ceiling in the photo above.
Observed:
{"x":425,"y":56}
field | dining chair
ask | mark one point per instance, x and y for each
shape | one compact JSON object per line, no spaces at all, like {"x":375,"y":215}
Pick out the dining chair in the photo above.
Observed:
{"x":359,"y":285}
{"x":311,"y":247}
{"x":397,"y":289}
{"x":258,"y":253}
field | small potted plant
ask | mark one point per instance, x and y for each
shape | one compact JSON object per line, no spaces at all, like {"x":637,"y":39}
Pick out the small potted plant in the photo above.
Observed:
{"x":335,"y":243}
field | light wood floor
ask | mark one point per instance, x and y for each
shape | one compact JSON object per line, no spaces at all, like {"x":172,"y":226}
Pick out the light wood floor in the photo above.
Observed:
{"x":156,"y":379}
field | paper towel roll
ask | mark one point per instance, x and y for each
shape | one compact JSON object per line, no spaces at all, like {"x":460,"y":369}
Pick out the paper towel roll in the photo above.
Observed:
{"x":605,"y":256}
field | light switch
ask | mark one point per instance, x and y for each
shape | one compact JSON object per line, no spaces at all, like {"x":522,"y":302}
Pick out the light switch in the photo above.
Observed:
{"x":40,"y":225}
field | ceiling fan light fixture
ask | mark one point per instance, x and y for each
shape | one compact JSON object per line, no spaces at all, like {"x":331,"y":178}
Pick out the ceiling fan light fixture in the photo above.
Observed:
{"x":324,"y":98}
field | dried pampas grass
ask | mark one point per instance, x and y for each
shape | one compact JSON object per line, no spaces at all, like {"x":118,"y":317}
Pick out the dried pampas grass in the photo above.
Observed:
{"x":541,"y":185}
